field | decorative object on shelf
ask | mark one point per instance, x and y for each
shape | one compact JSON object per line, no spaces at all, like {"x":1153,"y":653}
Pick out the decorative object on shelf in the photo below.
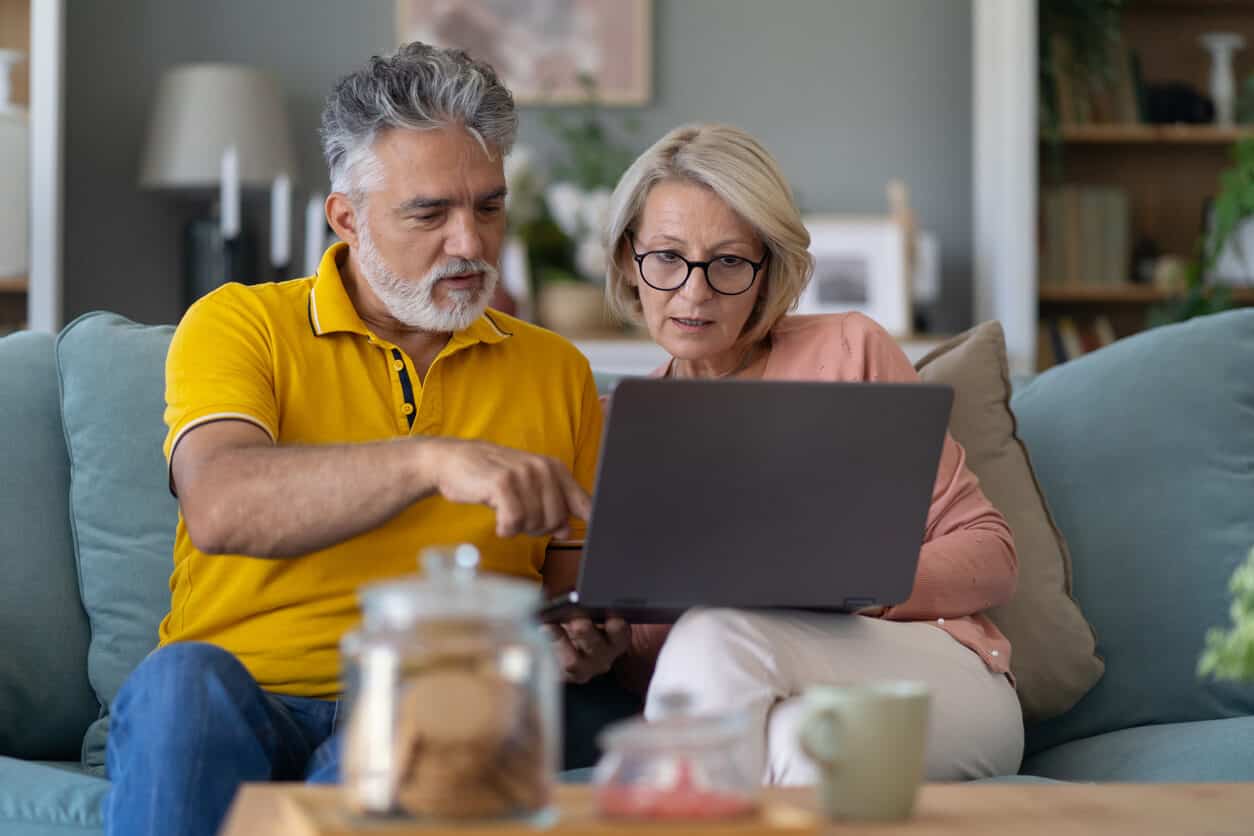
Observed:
{"x":1177,"y":103}
{"x":922,"y":264}
{"x":14,"y":174}
{"x":859,"y":265}
{"x":1229,"y":654}
{"x":223,"y":127}
{"x":1222,"y":47}
{"x":575,"y":309}
{"x":543,"y":53}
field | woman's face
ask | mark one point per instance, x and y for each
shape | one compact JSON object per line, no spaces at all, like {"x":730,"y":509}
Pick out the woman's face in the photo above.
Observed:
{"x":695,"y":323}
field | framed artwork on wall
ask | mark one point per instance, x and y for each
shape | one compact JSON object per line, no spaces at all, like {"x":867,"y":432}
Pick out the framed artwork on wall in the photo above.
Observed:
{"x":859,"y":265}
{"x":545,"y":50}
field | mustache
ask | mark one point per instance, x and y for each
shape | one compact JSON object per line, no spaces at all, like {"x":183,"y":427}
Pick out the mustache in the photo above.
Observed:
{"x":461,"y":266}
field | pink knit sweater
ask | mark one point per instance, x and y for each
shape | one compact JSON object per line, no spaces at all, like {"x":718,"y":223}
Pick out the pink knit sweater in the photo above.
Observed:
{"x":967,"y":564}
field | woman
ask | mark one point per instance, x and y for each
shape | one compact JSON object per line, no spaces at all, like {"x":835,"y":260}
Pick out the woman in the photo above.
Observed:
{"x":708,"y":250}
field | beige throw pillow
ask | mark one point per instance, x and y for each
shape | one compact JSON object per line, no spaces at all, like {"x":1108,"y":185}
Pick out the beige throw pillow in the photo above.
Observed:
{"x":1053,"y":648}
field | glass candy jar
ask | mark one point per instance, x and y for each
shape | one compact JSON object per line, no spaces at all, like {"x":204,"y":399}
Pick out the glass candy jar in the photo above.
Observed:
{"x":453,"y":697}
{"x":680,"y":766}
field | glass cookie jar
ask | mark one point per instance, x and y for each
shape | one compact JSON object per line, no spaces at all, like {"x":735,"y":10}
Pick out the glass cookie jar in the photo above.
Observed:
{"x":453,"y":697}
{"x":680,"y":766}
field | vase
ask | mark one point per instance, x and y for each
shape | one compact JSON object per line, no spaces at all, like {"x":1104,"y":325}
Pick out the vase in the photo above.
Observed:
{"x":1223,"y":88}
{"x":575,"y":309}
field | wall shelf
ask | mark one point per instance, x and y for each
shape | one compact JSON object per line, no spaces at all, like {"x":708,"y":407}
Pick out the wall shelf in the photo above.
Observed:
{"x":1106,"y":134}
{"x":1129,"y":294}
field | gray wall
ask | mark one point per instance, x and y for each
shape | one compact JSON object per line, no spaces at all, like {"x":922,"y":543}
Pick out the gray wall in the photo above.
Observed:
{"x":846,"y":93}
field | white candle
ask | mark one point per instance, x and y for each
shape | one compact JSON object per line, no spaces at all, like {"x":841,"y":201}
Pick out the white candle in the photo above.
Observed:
{"x":280,"y":221}
{"x":230,"y":193}
{"x":315,"y":233}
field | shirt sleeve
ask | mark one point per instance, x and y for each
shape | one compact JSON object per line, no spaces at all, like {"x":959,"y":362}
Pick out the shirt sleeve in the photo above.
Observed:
{"x":968,"y":563}
{"x":220,"y":366}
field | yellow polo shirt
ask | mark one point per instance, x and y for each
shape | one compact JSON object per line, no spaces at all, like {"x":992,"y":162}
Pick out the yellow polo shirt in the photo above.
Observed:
{"x":295,"y":359}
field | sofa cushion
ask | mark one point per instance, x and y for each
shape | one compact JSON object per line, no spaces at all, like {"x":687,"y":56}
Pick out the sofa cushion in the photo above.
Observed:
{"x":1208,"y":750}
{"x":1145,"y":450}
{"x":112,"y":375}
{"x":39,"y":799}
{"x":45,"y":700}
{"x":1052,"y":647}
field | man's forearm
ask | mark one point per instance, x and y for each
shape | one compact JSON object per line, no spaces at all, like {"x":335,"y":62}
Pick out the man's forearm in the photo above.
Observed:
{"x":288,"y":501}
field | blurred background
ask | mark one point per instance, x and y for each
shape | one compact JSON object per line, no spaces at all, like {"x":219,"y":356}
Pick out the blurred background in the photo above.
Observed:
{"x":848,"y":94}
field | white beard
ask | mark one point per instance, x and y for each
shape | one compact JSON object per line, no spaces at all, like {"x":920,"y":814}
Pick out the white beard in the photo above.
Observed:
{"x":411,"y":300}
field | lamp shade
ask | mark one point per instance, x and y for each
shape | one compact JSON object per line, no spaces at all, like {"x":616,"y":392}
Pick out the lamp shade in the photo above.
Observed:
{"x":200,"y":110}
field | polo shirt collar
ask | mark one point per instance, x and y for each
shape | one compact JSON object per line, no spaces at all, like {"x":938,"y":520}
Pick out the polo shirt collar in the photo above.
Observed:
{"x":332,"y":311}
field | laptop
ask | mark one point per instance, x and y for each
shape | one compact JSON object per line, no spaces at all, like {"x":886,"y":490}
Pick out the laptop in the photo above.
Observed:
{"x":758,"y":494}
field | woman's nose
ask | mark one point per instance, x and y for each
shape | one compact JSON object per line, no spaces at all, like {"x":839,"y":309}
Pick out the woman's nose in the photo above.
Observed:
{"x":697,"y":288}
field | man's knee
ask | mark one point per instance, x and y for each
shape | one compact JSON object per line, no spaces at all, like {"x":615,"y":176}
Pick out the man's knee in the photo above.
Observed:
{"x":181,"y":675}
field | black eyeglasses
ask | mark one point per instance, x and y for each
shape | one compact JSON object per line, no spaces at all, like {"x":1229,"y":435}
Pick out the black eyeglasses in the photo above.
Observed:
{"x":729,"y":275}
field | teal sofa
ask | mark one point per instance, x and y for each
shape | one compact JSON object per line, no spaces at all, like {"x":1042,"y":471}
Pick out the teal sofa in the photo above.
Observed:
{"x":1145,"y":451}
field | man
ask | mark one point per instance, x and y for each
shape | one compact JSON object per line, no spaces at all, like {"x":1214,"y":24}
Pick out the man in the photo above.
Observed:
{"x":322,"y":431}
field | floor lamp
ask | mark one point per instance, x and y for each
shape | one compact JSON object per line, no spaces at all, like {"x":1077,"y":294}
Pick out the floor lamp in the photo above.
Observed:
{"x":215,"y":130}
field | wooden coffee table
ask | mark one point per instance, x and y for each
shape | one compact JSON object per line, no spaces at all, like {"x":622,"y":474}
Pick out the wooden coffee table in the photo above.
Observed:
{"x":943,"y":810}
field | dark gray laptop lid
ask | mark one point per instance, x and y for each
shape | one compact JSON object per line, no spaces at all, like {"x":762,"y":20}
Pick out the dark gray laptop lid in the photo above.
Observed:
{"x":762,"y":494}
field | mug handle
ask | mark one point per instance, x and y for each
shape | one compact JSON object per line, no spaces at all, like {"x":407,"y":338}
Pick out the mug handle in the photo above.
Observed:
{"x":819,"y":736}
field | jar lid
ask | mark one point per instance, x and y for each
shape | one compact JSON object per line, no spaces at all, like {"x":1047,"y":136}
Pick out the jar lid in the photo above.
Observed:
{"x":675,"y":731}
{"x":450,"y":587}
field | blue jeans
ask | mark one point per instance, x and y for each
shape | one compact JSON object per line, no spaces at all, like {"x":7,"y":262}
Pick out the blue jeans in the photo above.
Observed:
{"x":189,"y":726}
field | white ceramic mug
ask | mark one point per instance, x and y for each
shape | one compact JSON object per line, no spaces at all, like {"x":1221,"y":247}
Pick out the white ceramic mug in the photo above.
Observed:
{"x":868,"y":742}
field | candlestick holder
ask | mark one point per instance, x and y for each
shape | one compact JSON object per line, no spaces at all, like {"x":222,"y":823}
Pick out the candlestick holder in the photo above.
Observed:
{"x":209,"y":261}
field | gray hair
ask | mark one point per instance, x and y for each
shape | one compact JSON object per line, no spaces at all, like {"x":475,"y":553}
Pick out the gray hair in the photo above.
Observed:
{"x":419,"y":87}
{"x":737,"y":168}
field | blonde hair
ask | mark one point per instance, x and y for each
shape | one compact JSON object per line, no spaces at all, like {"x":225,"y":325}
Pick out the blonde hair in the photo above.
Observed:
{"x":738,"y":169}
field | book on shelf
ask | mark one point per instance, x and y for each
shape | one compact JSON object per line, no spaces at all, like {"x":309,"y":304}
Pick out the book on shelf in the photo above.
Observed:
{"x":1085,"y":235}
{"x":1105,"y":331}
{"x":1064,"y":338}
{"x":1072,"y":344}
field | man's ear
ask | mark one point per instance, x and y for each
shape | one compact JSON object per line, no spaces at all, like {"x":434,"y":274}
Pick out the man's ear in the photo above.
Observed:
{"x":342,"y":216}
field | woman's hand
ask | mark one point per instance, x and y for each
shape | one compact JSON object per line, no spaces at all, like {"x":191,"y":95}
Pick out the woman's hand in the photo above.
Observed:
{"x":585,"y":650}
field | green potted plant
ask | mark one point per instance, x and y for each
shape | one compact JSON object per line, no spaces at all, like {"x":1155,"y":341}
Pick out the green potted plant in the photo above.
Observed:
{"x":1231,"y":208}
{"x":1089,"y":28}
{"x":558,"y":215}
{"x":1229,"y":654}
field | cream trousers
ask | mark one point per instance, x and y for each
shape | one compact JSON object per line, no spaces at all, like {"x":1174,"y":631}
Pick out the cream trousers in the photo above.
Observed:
{"x":760,"y":663}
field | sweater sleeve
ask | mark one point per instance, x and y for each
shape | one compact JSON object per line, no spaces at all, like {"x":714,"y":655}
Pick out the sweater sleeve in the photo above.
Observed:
{"x":968,"y":563}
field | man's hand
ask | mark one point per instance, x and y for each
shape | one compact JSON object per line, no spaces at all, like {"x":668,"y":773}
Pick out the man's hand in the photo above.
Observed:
{"x":585,"y":650}
{"x":533,"y":495}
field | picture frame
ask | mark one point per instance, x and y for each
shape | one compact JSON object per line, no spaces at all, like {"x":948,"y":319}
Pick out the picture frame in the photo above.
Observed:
{"x":859,"y":265}
{"x":545,"y":49}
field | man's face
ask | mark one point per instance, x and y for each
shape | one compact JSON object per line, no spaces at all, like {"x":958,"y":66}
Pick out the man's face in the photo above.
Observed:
{"x":430,"y":230}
